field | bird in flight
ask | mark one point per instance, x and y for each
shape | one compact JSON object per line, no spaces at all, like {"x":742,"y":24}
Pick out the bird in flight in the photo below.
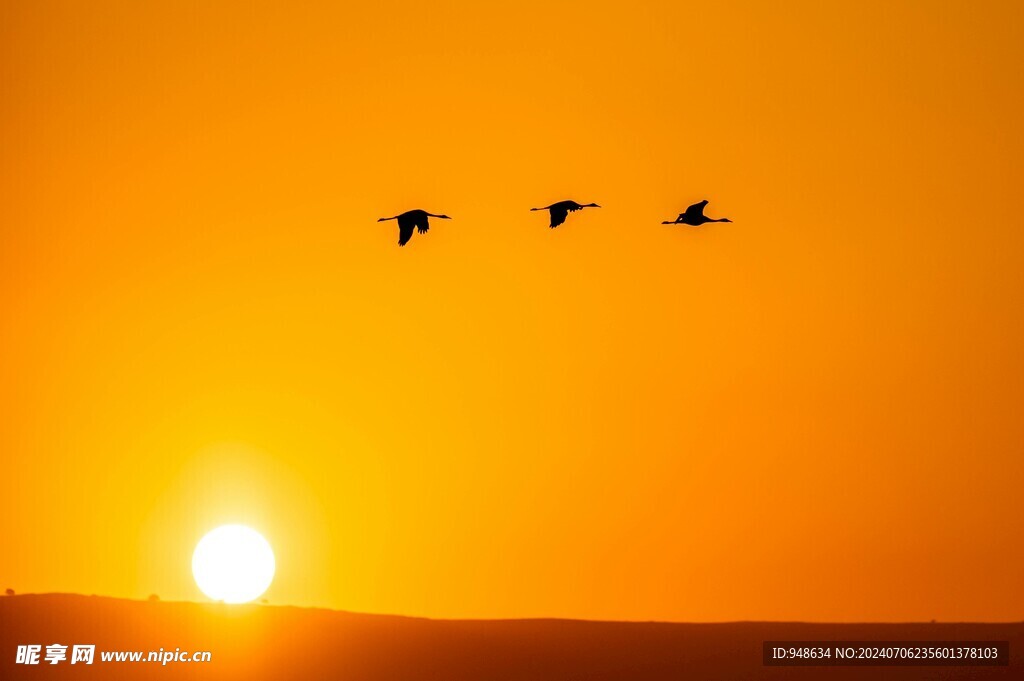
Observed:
{"x":694,"y":215}
{"x":559,"y":211}
{"x":412,"y":219}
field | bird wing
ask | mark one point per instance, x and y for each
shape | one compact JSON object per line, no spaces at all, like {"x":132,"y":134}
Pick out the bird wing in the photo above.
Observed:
{"x":422,"y":223}
{"x":558,"y":215}
{"x":405,"y":228}
{"x":696,"y":210}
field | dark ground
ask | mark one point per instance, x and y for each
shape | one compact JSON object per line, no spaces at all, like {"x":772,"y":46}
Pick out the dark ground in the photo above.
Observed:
{"x":255,"y":642}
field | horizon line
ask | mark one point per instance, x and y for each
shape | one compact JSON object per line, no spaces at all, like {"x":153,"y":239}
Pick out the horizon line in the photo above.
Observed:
{"x":544,"y":618}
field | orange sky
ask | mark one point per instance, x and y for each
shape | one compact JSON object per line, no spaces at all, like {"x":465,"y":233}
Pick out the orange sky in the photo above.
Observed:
{"x":811,"y":413}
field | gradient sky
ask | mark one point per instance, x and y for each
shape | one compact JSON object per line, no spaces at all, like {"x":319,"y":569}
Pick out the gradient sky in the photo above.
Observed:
{"x":812,"y":413}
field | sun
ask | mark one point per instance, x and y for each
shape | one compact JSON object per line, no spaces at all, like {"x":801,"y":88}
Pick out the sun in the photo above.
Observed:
{"x":233,"y":563}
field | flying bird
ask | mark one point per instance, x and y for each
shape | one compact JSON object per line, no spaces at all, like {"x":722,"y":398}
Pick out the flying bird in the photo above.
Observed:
{"x":694,"y":215}
{"x":559,"y":211}
{"x":412,"y":219}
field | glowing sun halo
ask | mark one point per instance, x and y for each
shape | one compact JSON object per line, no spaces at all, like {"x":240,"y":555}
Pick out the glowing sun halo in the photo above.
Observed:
{"x":233,"y":563}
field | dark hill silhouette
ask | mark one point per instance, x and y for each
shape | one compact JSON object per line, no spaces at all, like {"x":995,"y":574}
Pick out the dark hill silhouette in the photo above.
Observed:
{"x":277,"y":642}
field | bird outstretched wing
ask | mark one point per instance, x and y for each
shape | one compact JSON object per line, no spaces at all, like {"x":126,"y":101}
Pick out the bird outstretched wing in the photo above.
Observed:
{"x":405,"y":228}
{"x":696,"y":210}
{"x":558,"y":215}
{"x":422,"y":224}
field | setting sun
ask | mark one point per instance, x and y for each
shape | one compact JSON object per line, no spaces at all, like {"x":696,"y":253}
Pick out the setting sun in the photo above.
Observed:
{"x":233,"y":563}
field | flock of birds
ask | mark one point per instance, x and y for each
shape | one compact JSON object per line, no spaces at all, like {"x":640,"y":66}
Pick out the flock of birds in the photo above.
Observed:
{"x":419,"y":220}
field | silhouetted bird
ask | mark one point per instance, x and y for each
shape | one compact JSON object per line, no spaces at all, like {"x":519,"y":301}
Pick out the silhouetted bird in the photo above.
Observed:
{"x":694,"y":215}
{"x":412,"y":219}
{"x":560,"y":210}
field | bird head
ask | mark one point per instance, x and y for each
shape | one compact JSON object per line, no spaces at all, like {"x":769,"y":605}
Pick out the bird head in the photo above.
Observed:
{"x":592,"y":205}
{"x":444,"y":217}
